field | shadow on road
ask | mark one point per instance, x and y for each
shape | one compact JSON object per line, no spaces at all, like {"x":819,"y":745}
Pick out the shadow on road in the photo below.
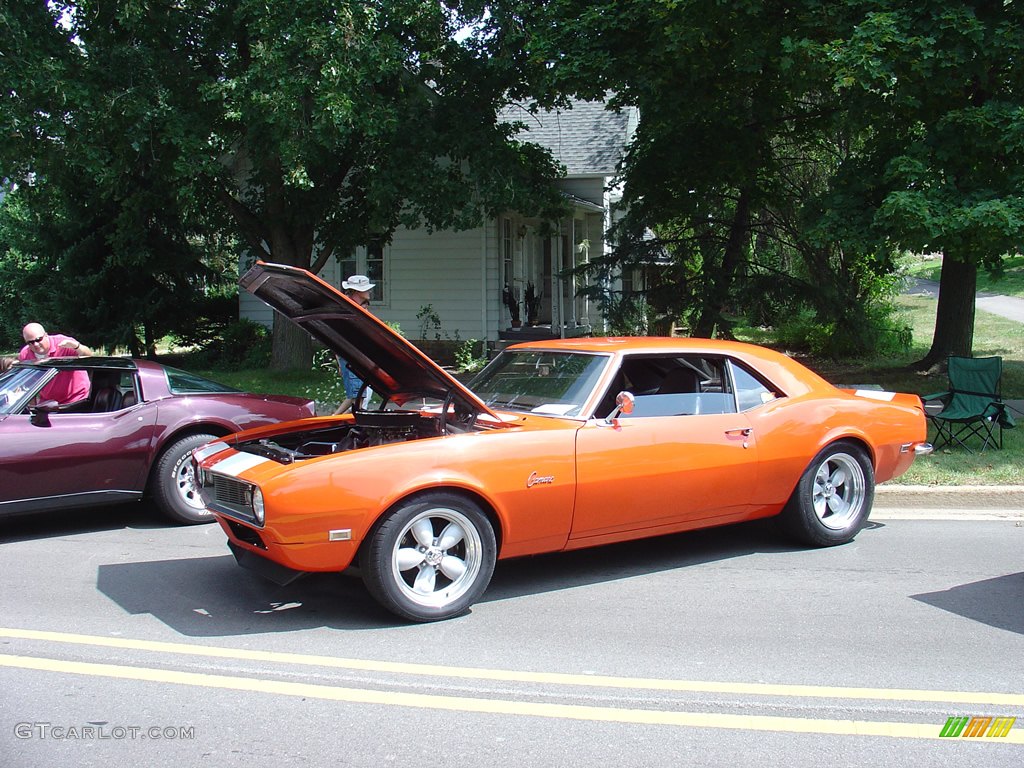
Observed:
{"x":213,"y":597}
{"x":69,"y":522}
{"x":996,"y":602}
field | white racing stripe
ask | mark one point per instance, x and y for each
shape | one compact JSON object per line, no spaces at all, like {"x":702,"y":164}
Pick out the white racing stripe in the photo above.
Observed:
{"x":872,"y":394}
{"x":209,"y":450}
{"x":234,"y":466}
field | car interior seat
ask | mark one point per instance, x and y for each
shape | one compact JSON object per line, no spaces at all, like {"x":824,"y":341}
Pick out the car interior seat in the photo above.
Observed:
{"x":106,"y":396}
{"x":679,"y":381}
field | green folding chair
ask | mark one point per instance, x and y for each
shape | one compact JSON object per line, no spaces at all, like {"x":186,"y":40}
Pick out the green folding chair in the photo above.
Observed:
{"x":972,"y":408}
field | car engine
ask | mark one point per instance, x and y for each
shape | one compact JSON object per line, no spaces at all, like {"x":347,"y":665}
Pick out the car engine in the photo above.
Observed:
{"x":371,"y":428}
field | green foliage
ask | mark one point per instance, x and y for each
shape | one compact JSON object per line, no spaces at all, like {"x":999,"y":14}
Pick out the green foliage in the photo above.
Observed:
{"x":430,"y":326}
{"x":936,"y":98}
{"x":879,"y":333}
{"x":215,"y":316}
{"x":242,"y":344}
{"x":300,"y":128}
{"x":510,"y":299}
{"x":626,"y":315}
{"x":16,"y":271}
{"x":853,"y":130}
{"x":466,"y":359}
{"x":430,"y":322}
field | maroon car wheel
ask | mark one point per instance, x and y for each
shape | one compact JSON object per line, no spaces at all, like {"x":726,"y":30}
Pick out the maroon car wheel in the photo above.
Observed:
{"x":174,"y":483}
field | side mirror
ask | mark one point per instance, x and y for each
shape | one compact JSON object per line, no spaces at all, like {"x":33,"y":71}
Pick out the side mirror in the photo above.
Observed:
{"x":625,"y":402}
{"x":39,"y":414}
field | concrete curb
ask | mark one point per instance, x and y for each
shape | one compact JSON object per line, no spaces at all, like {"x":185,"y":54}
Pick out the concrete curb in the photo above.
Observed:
{"x":973,"y":497}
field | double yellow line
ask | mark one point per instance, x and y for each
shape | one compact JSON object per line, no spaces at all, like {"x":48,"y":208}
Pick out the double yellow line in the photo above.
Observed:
{"x":505,"y":706}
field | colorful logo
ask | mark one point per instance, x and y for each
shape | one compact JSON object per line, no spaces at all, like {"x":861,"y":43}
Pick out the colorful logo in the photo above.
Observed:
{"x":986,"y":727}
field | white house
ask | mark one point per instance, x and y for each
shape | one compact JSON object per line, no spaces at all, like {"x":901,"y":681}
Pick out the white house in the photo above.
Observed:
{"x":450,"y":284}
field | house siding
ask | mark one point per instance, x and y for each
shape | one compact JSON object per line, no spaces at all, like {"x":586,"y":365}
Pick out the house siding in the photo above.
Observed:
{"x":443,"y":270}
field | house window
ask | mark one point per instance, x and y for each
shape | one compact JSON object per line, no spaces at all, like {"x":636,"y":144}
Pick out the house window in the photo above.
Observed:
{"x":369,"y":261}
{"x":628,"y":288}
{"x":375,"y":270}
{"x":507,"y":276}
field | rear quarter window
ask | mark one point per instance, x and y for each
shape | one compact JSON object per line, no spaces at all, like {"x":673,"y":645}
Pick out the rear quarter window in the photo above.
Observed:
{"x":183,"y":383}
{"x":750,"y":390}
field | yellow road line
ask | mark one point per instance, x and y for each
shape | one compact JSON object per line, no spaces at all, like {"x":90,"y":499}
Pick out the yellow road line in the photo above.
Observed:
{"x":496,"y":706}
{"x":520,"y":676}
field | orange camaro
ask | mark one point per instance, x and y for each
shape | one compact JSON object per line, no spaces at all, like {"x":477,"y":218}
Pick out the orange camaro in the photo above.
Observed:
{"x":555,"y":445}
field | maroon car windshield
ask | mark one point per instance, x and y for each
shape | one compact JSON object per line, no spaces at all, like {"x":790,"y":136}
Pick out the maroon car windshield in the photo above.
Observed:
{"x":18,"y":385}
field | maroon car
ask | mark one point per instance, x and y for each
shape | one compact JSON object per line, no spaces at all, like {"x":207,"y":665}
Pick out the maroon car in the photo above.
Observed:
{"x":132,"y":436}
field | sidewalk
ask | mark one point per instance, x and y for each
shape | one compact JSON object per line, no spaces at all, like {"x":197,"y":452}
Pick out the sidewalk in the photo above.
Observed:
{"x":962,"y":502}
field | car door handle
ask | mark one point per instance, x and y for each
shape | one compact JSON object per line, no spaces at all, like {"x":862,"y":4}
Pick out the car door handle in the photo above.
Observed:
{"x":745,"y":431}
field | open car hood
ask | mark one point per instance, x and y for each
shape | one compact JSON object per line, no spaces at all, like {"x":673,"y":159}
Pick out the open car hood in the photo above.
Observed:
{"x":390,"y":364}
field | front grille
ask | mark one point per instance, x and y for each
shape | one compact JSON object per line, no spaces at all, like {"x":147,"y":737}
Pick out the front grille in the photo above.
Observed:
{"x":228,"y":495}
{"x":228,"y":490}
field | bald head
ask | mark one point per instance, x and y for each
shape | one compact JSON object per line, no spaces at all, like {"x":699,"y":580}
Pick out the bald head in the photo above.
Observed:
{"x":32,"y":331}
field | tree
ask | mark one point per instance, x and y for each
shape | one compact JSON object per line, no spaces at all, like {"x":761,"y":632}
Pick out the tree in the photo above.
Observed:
{"x":936,"y":90}
{"x":304,"y":127}
{"x":739,"y":133}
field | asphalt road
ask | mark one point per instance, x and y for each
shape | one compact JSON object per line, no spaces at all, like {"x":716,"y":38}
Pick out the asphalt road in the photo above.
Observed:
{"x":123,"y":642}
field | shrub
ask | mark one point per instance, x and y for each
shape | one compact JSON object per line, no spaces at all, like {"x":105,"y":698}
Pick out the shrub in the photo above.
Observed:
{"x":465,"y":359}
{"x":241,"y":344}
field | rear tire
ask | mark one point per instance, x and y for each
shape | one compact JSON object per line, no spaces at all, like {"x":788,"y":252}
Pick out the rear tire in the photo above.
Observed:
{"x":431,"y":558}
{"x":833,"y":499}
{"x":174,"y":483}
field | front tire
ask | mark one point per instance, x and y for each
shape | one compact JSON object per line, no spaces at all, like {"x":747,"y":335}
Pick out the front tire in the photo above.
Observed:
{"x":431,"y":558}
{"x":174,"y":482}
{"x":833,"y":499}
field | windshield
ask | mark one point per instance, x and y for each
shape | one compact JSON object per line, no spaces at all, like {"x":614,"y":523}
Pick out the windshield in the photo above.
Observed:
{"x":538,"y":381}
{"x":17,"y":386}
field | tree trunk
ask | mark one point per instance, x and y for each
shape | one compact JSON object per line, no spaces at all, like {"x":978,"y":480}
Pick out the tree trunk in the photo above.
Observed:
{"x":719,"y":295}
{"x":954,"y":313}
{"x":291,"y":347}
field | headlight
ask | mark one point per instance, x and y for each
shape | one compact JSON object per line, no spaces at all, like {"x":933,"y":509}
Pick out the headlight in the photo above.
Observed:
{"x":257,"y":505}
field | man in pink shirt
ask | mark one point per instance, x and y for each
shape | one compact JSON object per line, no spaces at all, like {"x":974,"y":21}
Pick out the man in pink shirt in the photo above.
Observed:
{"x":67,"y":386}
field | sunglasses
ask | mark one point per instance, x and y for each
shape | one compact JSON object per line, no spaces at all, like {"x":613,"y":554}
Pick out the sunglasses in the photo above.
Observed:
{"x":36,"y":341}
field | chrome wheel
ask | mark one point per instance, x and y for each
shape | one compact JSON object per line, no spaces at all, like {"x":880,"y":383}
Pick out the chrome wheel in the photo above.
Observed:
{"x":430,"y":558}
{"x":833,"y":498}
{"x":438,"y":557}
{"x":839,"y":491}
{"x":185,"y":483}
{"x":173,"y":482}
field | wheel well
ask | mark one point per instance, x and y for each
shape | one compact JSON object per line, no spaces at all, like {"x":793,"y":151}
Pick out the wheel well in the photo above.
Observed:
{"x":860,"y":443}
{"x":476,"y":498}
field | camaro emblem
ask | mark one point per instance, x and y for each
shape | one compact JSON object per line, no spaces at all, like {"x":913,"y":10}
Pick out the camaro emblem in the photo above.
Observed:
{"x":535,"y":479}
